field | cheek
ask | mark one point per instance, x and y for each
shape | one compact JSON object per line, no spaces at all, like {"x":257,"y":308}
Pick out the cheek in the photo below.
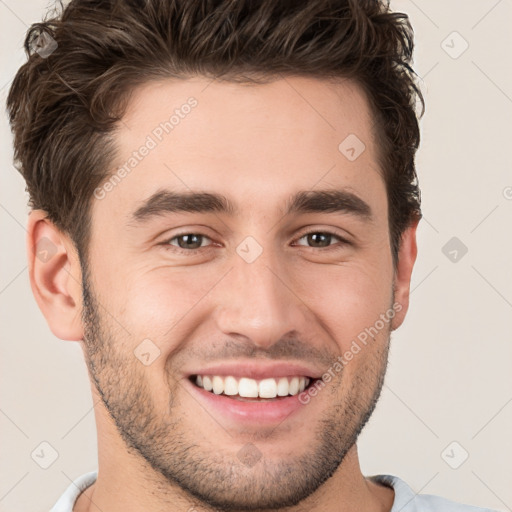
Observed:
{"x":347,"y":299}
{"x":158,"y":302}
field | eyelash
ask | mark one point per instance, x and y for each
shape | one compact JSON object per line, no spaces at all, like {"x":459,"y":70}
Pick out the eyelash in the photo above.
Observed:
{"x":191,"y":252}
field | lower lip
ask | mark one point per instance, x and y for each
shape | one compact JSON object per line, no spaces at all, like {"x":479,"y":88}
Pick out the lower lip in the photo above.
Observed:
{"x":256,"y":412}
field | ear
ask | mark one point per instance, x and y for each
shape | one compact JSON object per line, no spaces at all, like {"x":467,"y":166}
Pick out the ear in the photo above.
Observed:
{"x":406,"y":258}
{"x":55,"y":276}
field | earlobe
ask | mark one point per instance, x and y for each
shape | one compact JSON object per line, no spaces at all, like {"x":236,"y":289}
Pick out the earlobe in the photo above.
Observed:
{"x":406,"y":259}
{"x":55,"y":276}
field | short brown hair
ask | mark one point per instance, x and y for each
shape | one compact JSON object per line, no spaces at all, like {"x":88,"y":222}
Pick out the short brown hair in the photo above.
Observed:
{"x":64,"y":105}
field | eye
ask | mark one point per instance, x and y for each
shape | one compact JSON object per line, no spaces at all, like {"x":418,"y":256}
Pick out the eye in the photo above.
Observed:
{"x":191,"y":242}
{"x":188,"y":241}
{"x":320,"y":239}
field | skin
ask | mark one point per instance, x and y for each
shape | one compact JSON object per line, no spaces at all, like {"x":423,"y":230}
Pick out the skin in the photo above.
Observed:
{"x":158,"y":449}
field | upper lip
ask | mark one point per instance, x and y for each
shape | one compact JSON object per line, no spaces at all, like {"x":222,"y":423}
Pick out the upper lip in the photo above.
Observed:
{"x":258,"y":371}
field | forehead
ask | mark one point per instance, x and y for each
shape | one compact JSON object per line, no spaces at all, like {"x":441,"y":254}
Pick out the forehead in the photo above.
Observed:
{"x":254,"y":143}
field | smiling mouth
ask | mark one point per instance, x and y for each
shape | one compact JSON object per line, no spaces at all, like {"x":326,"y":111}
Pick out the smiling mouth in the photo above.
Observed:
{"x":248,"y":390}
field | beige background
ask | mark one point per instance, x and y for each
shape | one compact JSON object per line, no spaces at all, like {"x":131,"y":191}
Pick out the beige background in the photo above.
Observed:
{"x":449,"y":377}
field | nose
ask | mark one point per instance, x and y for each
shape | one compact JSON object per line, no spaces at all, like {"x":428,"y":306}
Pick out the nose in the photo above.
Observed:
{"x":256,"y":301}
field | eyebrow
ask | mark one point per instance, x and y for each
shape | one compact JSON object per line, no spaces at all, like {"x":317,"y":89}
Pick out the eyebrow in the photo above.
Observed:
{"x":311,"y":201}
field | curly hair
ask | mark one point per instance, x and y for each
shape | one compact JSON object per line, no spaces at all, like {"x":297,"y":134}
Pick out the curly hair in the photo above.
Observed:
{"x":85,"y":59}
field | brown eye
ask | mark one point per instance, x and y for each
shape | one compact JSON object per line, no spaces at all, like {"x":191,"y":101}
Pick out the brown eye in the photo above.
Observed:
{"x":188,"y":241}
{"x":319,"y":239}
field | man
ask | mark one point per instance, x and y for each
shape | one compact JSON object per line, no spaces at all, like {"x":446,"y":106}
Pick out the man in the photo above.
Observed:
{"x":224,"y":209}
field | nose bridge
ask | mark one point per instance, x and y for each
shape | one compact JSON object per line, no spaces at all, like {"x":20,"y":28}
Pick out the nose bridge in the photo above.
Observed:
{"x":256,"y":301}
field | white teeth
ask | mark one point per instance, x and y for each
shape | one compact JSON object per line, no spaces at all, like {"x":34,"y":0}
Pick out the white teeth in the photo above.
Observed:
{"x":282,"y":387}
{"x":267,"y":388}
{"x":294,"y":386}
{"x":251,"y":388}
{"x":230,"y":386}
{"x":218,"y":385}
{"x":248,"y":388}
{"x":207,"y":383}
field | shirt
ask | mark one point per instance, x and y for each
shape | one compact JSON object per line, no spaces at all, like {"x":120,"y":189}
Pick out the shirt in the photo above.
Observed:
{"x":406,"y":500}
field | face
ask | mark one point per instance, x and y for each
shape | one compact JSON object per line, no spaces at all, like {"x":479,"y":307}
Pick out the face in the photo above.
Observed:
{"x":278,"y":276}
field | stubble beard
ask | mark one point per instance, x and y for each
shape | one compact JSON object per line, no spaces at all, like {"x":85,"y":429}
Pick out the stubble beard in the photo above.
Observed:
{"x":220,"y":481}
